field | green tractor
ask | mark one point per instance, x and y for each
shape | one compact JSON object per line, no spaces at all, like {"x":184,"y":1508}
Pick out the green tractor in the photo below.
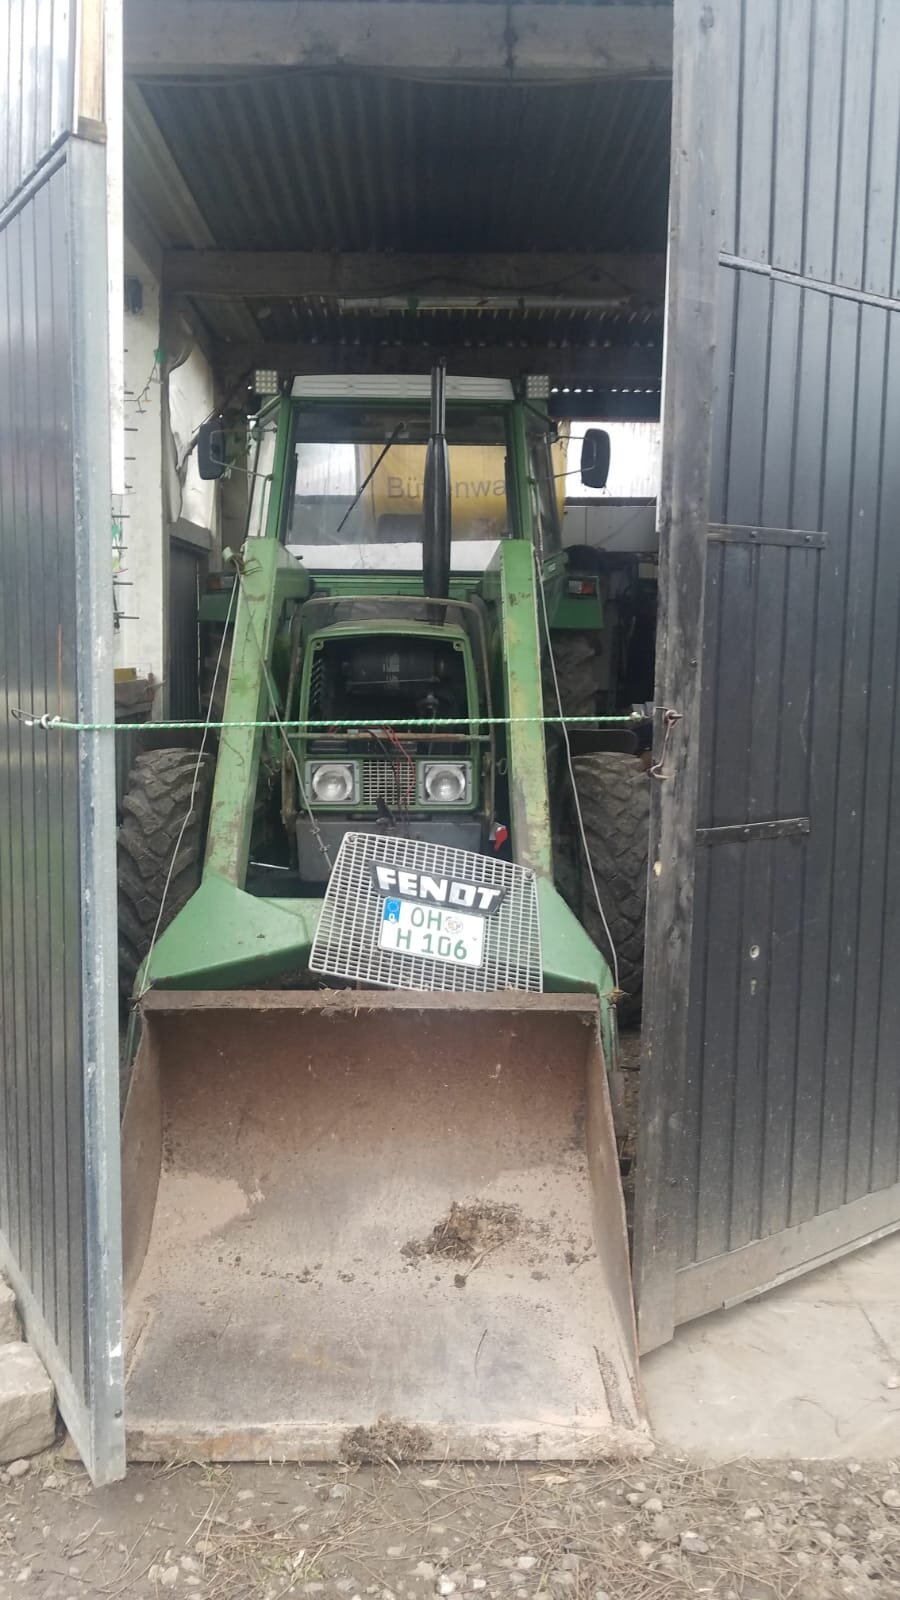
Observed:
{"x":371,"y":1191}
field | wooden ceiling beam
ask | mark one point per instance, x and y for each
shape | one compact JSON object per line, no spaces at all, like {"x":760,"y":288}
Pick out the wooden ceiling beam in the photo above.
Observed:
{"x":457,"y":40}
{"x":607,"y":282}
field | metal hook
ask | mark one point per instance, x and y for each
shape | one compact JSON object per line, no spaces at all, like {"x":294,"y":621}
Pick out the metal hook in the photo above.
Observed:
{"x":669,"y":720}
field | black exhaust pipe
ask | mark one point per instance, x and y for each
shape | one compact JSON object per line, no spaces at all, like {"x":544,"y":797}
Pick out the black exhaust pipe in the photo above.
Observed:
{"x":436,"y":532}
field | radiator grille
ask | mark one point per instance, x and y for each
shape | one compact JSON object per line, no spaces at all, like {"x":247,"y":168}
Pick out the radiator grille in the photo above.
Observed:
{"x":346,"y":942}
{"x":394,"y":782}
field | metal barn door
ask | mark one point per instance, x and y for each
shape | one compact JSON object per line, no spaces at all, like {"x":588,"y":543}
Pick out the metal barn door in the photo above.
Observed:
{"x":59,"y":1195}
{"x":771,"y":1088}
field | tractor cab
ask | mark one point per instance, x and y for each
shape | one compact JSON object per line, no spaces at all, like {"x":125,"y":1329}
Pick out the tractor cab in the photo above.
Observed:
{"x":356,"y":478}
{"x":394,"y":503}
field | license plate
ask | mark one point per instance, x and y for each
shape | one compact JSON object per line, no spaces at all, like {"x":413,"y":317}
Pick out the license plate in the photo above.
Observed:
{"x":413,"y":930}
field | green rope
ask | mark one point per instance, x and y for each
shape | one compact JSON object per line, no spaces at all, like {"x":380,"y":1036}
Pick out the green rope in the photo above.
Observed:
{"x":52,"y":724}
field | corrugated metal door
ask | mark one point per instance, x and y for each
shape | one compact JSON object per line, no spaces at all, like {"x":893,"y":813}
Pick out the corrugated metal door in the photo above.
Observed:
{"x":771,"y":1089}
{"x":59,"y":1193}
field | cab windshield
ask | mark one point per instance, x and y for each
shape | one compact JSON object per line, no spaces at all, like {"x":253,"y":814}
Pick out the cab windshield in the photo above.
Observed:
{"x":356,"y":497}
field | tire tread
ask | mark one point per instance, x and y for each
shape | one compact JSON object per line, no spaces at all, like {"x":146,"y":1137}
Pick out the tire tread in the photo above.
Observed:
{"x":614,"y":794}
{"x":154,"y":807}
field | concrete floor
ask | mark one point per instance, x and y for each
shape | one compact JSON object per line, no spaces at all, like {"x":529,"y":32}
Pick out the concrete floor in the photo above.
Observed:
{"x":807,"y":1371}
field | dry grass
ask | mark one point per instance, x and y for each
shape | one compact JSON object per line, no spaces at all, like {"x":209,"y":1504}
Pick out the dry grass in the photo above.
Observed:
{"x":386,"y":1442}
{"x":575,"y":1522}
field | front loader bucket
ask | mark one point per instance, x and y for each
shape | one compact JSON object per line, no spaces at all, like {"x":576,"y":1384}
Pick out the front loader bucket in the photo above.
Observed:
{"x":372,"y":1225}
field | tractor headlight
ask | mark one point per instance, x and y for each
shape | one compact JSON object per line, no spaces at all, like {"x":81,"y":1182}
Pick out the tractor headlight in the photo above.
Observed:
{"x":445,"y":783}
{"x":333,"y":783}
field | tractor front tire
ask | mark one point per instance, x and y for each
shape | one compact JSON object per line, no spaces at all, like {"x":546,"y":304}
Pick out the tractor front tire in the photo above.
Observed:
{"x":157,"y":800}
{"x":614,"y":795}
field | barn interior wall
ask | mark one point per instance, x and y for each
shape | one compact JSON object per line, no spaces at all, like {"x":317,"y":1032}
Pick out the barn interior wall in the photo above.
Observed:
{"x":168,"y":392}
{"x":140,"y":635}
{"x":191,"y":394}
{"x":614,"y":528}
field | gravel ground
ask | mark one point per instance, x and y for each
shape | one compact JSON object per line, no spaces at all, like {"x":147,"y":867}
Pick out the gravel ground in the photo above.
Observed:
{"x":655,"y":1530}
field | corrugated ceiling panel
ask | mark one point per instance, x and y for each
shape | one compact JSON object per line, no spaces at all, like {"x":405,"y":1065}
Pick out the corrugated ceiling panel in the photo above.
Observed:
{"x":292,"y":161}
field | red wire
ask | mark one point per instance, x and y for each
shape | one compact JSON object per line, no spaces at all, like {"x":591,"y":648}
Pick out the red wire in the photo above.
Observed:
{"x":401,"y":748}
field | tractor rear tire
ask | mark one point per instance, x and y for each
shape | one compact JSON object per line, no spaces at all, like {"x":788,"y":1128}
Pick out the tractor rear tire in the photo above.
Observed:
{"x":154,"y":808}
{"x":614,"y":794}
{"x":579,"y":672}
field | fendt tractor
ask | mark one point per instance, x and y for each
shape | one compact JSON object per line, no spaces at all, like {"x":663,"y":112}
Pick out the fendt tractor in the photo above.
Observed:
{"x":372,"y":1197}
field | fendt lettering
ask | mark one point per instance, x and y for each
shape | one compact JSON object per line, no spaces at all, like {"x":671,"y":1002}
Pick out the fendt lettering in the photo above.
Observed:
{"x":482,"y":897}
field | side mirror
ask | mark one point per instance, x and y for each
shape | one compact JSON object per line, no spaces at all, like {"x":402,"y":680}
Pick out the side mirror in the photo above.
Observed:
{"x":211,"y":462}
{"x":595,"y":458}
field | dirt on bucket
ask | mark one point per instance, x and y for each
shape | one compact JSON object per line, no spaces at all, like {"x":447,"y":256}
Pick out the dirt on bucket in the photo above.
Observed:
{"x":467,"y":1233}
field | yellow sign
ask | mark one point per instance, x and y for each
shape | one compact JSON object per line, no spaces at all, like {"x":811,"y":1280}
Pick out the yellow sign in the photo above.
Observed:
{"x":477,"y":482}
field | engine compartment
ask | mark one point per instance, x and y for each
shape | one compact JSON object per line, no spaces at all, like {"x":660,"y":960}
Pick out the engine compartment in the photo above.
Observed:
{"x":405,"y":675}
